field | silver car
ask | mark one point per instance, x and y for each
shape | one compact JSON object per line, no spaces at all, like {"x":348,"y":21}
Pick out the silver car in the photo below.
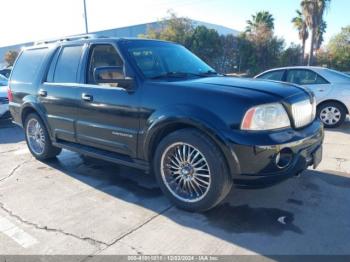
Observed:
{"x":331,"y":88}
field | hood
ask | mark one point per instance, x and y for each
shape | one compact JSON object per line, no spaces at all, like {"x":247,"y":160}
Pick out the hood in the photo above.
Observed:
{"x":277,"y":89}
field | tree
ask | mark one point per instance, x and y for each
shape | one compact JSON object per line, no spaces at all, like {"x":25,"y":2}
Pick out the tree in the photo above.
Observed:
{"x":263,"y":18}
{"x":291,"y":56}
{"x":313,"y":11}
{"x":319,"y":35}
{"x":337,"y":54}
{"x":300,"y":24}
{"x":173,"y":28}
{"x":259,"y":49}
{"x":206,"y":43}
{"x":10,"y":57}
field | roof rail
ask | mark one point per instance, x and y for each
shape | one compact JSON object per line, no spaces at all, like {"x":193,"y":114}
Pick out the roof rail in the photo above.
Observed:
{"x":67,"y":38}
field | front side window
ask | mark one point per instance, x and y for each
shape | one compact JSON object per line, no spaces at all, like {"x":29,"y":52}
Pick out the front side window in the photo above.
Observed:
{"x":155,"y":59}
{"x":67,"y":64}
{"x":274,"y":75}
{"x":304,"y":77}
{"x":104,"y":55}
{"x":28,"y":64}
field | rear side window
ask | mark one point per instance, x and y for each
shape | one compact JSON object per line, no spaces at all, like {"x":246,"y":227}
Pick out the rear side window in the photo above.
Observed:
{"x":304,"y":77}
{"x":67,"y":64}
{"x":274,"y":75}
{"x":28,"y":64}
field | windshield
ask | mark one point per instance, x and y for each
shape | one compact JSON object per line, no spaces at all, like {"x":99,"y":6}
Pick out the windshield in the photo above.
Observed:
{"x":161,"y":59}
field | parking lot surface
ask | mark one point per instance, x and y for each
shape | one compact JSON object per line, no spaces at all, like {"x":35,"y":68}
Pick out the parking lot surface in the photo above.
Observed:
{"x":78,"y":205}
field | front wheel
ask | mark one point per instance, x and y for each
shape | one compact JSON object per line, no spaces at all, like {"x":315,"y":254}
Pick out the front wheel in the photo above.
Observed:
{"x":38,"y":140}
{"x":191,"y":170}
{"x":332,"y":114}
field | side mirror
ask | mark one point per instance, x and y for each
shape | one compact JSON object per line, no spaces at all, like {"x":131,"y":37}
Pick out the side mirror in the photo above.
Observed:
{"x":112,"y":75}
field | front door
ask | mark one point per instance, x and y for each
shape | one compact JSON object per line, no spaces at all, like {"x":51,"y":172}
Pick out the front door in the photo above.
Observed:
{"x":108,"y":114}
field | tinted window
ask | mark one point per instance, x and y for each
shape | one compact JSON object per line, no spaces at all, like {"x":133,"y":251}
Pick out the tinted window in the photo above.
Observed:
{"x":28,"y":64}
{"x":274,"y":75}
{"x":304,"y":77}
{"x":101,"y":56}
{"x":67,"y":64}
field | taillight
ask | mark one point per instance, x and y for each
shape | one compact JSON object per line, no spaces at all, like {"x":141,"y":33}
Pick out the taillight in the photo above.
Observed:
{"x":9,"y":94}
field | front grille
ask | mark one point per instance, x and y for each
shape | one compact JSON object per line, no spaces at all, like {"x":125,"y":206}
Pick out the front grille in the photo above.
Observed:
{"x":4,"y":100}
{"x":304,"y":112}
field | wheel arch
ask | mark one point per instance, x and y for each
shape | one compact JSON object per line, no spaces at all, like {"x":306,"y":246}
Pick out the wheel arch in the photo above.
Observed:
{"x":166,"y":126}
{"x":333,"y":101}
{"x":30,"y":107}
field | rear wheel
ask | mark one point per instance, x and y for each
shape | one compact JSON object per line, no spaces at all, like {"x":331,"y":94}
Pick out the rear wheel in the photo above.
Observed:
{"x":38,"y":140}
{"x":332,"y":114}
{"x":191,"y":170}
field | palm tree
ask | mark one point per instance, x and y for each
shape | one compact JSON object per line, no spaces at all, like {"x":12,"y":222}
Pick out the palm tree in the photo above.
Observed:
{"x":313,"y":11}
{"x":319,"y":35}
{"x":260,"y":18}
{"x":300,"y":24}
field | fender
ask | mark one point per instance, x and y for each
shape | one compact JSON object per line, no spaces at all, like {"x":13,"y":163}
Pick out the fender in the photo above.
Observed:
{"x":31,"y":103}
{"x":191,"y":116}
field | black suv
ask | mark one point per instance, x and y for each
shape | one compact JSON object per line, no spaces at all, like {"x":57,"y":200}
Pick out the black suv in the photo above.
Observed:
{"x":154,"y":105}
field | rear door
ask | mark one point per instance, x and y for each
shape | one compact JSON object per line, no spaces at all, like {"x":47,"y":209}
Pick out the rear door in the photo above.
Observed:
{"x":59,"y":94}
{"x":310,"y":79}
{"x":108,"y":114}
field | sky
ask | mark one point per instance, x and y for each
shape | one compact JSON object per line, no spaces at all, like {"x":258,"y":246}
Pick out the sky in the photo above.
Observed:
{"x":33,"y":20}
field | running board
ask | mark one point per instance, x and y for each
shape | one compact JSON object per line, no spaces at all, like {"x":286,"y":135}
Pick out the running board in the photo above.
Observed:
{"x":103,"y":154}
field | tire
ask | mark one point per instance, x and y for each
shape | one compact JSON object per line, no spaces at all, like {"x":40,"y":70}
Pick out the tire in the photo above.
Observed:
{"x":332,"y":114}
{"x":45,"y":149}
{"x":205,"y":171}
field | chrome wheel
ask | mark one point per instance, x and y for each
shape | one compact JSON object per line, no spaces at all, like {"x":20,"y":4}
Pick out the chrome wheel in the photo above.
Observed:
{"x":35,"y":136}
{"x":185,"y":172}
{"x":330,"y":115}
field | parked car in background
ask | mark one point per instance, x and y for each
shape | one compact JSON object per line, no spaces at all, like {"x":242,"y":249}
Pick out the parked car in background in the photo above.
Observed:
{"x":331,"y":88}
{"x":4,"y":102}
{"x":6,"y":72}
{"x":156,"y":106}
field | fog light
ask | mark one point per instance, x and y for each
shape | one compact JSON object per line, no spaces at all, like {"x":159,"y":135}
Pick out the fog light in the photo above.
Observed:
{"x":284,"y":158}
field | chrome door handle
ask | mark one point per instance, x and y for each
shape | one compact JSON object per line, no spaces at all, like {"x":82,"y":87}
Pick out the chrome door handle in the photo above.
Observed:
{"x":87,"y":97}
{"x":42,"y":93}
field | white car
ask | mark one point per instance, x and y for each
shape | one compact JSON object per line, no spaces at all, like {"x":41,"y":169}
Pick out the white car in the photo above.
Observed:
{"x":4,"y":102}
{"x":331,"y":89}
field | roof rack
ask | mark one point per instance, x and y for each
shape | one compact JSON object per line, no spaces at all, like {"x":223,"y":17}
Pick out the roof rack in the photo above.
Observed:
{"x":68,"y":38}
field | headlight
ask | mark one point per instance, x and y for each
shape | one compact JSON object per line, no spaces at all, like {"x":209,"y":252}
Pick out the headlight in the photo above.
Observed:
{"x":265,"y":117}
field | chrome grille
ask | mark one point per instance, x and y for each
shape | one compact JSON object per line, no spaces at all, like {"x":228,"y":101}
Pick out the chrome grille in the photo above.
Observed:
{"x":4,"y":100}
{"x":304,"y":112}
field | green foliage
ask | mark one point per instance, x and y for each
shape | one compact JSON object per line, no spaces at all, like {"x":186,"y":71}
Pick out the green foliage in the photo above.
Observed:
{"x":291,"y":56}
{"x":205,"y":43}
{"x":173,"y":28}
{"x":263,"y":18}
{"x":337,"y":54}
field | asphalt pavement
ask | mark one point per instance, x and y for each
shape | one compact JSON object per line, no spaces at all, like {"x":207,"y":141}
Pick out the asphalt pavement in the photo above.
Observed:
{"x":83,"y":206}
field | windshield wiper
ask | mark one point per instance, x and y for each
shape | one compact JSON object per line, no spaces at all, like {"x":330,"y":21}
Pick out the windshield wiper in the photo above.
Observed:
{"x":184,"y":74}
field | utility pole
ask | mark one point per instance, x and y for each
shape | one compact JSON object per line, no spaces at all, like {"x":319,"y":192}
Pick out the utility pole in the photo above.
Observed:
{"x":85,"y":18}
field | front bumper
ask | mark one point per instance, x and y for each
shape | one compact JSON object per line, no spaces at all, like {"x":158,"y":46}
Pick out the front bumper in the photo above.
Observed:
{"x":270,"y":157}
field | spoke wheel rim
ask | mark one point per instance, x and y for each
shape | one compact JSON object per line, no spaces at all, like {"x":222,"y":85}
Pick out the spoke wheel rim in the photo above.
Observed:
{"x":35,"y":136}
{"x":185,"y":172}
{"x":330,"y":115}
